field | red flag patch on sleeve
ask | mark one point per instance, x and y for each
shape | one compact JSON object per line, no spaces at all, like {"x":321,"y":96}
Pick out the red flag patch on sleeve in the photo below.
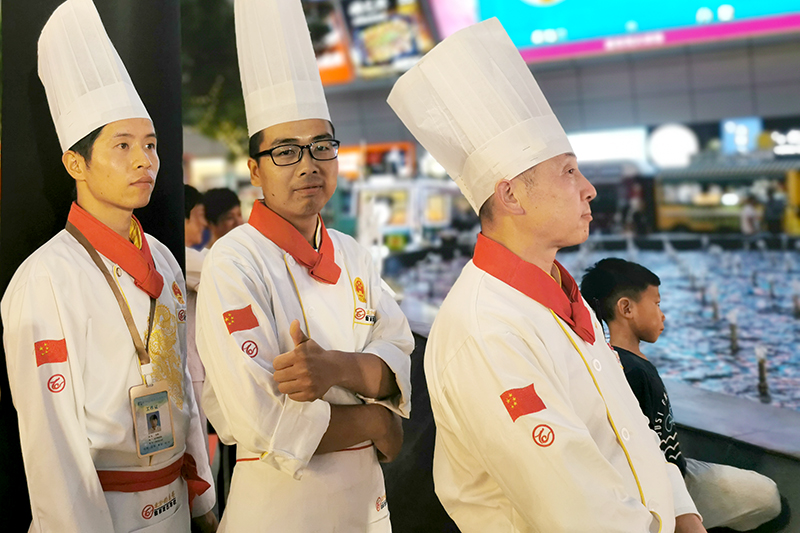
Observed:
{"x":520,"y":402}
{"x":240,"y":319}
{"x":50,"y":351}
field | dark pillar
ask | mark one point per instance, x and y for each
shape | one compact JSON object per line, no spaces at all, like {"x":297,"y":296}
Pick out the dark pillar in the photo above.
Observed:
{"x":36,"y":190}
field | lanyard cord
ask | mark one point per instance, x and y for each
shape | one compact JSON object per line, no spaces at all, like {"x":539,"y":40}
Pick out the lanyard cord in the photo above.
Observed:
{"x":141,"y":348}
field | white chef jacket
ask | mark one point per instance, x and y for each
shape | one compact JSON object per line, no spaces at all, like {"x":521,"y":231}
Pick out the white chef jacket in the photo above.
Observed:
{"x":562,"y":468}
{"x":75,"y":416}
{"x":194,"y":267}
{"x":278,"y":483}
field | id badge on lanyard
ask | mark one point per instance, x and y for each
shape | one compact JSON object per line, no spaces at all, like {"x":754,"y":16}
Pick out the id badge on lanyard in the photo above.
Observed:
{"x":152,"y":418}
{"x":151,"y":407}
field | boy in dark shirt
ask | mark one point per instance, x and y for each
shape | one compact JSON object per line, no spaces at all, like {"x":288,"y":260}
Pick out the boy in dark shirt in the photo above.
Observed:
{"x":625,"y":296}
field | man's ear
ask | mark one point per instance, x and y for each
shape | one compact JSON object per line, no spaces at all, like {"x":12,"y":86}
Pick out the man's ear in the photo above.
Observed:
{"x":75,"y":165}
{"x":506,"y":201}
{"x":624,"y":307}
{"x":255,"y":172}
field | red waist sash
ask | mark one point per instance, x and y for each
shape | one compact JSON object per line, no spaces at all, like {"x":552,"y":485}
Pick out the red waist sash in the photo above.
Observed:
{"x":185,"y":467}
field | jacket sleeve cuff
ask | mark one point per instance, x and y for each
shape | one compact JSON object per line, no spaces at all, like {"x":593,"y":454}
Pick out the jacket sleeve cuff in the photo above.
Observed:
{"x":297,"y":436}
{"x":680,"y":495}
{"x":400,"y":364}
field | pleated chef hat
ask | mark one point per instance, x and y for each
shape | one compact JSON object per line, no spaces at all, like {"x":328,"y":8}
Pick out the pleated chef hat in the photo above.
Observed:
{"x":474,"y":105}
{"x":280,"y":76}
{"x":86,"y":83}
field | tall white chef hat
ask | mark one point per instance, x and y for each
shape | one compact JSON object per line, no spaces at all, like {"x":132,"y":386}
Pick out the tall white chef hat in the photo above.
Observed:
{"x":280,"y":76}
{"x":474,"y":105}
{"x":86,"y":83}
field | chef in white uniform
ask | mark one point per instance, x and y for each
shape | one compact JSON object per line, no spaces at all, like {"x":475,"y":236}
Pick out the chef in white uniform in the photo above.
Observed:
{"x":306,"y":352}
{"x":536,"y":428}
{"x":71,"y":355}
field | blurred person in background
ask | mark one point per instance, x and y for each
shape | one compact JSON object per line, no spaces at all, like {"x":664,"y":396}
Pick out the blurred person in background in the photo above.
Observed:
{"x":306,"y":353}
{"x":773,"y":212}
{"x":194,"y":224}
{"x":223,"y":211}
{"x":536,"y":427}
{"x":750,"y":216}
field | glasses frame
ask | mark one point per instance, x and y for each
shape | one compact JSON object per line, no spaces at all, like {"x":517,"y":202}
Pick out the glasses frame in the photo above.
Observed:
{"x":302,"y":148}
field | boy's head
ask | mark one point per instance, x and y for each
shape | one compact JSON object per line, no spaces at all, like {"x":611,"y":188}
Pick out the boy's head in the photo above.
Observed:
{"x":625,"y":294}
{"x":223,"y":211}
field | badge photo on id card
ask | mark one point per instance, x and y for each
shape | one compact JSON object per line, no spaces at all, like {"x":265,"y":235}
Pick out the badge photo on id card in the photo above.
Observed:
{"x":152,"y":419}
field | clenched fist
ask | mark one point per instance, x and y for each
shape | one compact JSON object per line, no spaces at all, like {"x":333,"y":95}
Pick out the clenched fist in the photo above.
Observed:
{"x":307,"y":372}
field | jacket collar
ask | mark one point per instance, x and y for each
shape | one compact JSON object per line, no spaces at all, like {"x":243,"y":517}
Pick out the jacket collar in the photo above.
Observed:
{"x":136,"y":261}
{"x":320,"y":264}
{"x":564,"y":300}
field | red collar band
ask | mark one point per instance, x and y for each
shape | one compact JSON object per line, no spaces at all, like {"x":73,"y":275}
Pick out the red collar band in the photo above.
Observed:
{"x":321,"y":265}
{"x":498,"y":261}
{"x":138,"y":263}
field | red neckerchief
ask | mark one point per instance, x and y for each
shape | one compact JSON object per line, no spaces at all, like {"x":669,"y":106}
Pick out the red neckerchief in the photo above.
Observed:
{"x":138,"y":263}
{"x":321,"y":265}
{"x":497,"y":260}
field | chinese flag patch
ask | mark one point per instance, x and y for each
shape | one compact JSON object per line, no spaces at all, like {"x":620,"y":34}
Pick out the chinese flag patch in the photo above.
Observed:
{"x":520,"y":402}
{"x":240,"y":319}
{"x":50,"y":352}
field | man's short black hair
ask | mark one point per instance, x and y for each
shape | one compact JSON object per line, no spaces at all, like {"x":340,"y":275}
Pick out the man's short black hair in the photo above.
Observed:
{"x":85,"y":145}
{"x":218,"y":202}
{"x":611,"y":279}
{"x":191,"y":197}
{"x":257,"y":138}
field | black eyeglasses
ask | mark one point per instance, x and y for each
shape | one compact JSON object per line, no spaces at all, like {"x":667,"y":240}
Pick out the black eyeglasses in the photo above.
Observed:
{"x":289,"y":154}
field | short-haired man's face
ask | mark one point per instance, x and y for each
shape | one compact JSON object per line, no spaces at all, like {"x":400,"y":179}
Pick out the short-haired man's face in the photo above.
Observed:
{"x":299,"y":190}
{"x":194,"y":225}
{"x":230,"y":219}
{"x":556,"y":201}
{"x":122,"y":172}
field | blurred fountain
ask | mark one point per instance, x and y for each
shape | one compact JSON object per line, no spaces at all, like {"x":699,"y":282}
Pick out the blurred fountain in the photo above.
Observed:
{"x":762,"y":246}
{"x":732,"y":321}
{"x":771,"y":285}
{"x":796,"y":297}
{"x":713,"y":294}
{"x":737,"y":265}
{"x":763,"y":386}
{"x":670,"y":250}
{"x":704,"y":242}
{"x":784,"y":241}
{"x":788,"y":262}
{"x":632,"y":250}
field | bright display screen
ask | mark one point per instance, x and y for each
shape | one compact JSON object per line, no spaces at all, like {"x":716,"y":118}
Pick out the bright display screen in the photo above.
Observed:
{"x":556,"y":29}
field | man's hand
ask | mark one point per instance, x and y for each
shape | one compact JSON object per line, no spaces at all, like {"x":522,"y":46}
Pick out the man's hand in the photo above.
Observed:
{"x":307,"y":372}
{"x":206,"y":523}
{"x":391,"y":441}
{"x":689,"y":523}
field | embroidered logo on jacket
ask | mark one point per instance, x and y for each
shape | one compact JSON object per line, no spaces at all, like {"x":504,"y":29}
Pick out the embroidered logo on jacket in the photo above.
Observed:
{"x":543,"y":435}
{"x":176,"y":292}
{"x":159,"y":507}
{"x":361,"y":291}
{"x":50,"y":351}
{"x":520,"y":402}
{"x":381,"y":503}
{"x":240,"y":319}
{"x":56,"y":383}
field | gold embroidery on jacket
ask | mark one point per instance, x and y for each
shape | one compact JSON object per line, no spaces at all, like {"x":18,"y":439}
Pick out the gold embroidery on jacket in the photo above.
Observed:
{"x":166,"y":360}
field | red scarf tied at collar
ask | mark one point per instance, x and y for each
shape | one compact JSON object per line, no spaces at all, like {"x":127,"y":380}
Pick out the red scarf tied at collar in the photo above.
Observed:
{"x":500,"y":262}
{"x":321,"y":265}
{"x":138,"y":263}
